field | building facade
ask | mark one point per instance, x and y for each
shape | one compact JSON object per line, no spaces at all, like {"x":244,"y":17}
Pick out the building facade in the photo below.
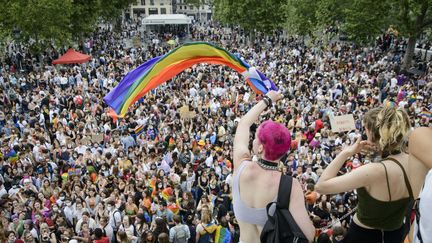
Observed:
{"x":144,"y":8}
{"x":203,"y":13}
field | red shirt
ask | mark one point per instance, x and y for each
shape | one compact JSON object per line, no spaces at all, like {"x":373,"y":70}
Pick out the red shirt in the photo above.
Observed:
{"x":102,"y":240}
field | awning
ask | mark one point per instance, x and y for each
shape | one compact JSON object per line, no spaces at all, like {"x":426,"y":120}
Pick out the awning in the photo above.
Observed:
{"x":165,"y":19}
{"x":72,"y":57}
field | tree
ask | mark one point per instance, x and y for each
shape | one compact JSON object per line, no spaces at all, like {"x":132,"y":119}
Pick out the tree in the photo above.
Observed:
{"x":251,"y":15}
{"x":363,"y":20}
{"x":301,"y":16}
{"x":42,"y":22}
{"x":39,"y":21}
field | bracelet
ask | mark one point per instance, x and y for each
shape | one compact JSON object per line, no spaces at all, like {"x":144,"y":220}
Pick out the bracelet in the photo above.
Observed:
{"x":267,"y":100}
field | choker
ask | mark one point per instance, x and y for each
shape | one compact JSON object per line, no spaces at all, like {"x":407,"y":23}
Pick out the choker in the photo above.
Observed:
{"x":267,"y":165}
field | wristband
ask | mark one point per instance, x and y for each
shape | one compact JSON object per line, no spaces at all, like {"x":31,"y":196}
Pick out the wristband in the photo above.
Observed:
{"x":267,"y":100}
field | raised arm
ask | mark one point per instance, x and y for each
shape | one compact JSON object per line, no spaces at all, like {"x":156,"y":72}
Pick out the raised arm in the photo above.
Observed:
{"x":241,"y":139}
{"x":330,"y":183}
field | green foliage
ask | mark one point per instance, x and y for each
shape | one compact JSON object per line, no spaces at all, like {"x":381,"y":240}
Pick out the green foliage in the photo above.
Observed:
{"x":111,"y":9}
{"x":265,"y":15}
{"x":366,"y":19}
{"x":361,"y":20}
{"x":331,"y":12}
{"x":39,"y":21}
{"x":301,"y":16}
{"x":42,"y":22}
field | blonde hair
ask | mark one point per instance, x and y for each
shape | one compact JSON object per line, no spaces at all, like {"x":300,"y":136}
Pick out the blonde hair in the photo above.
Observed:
{"x":388,"y":127}
{"x":205,"y":216}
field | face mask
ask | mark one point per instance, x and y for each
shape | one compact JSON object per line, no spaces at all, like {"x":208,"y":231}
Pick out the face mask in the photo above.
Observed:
{"x":109,"y":208}
{"x":160,"y":185}
{"x":69,"y":204}
{"x":62,"y":198}
{"x":55,"y":209}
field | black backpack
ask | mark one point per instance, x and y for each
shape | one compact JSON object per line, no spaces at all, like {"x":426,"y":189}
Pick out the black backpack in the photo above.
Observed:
{"x":281,"y":227}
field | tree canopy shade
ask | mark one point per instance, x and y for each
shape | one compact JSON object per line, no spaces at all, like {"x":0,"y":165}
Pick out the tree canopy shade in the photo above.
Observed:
{"x":265,"y":15}
{"x":58,"y":21}
{"x":71,"y":57}
{"x":363,"y":20}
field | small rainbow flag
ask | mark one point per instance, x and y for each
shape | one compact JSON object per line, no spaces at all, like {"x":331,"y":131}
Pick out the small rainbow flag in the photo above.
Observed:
{"x":223,"y":235}
{"x":426,"y":113}
{"x":138,"y":130}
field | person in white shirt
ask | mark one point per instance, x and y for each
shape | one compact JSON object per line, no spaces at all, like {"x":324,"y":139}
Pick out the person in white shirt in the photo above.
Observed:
{"x":69,"y":211}
{"x":2,"y":189}
{"x":106,"y":227}
{"x":115,"y":217}
{"x":85,"y":219}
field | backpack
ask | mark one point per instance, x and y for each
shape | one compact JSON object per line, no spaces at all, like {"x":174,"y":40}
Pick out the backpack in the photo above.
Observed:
{"x":116,"y":227}
{"x":180,"y":234}
{"x":281,"y":227}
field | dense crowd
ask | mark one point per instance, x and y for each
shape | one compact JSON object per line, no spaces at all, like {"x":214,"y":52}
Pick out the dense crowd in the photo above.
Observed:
{"x":71,"y":171}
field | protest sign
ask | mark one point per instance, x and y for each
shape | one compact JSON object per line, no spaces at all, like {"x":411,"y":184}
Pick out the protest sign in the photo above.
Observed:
{"x":342,"y":123}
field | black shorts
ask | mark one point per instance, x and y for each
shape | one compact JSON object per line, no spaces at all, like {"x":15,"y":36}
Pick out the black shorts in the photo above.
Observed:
{"x":357,"y":234}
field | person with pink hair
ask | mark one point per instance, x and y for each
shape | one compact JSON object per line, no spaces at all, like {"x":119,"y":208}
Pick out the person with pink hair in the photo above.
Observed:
{"x":256,"y":181}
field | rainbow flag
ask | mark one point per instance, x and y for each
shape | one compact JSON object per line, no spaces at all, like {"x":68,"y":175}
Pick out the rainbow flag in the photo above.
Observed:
{"x":223,"y":235}
{"x":166,"y":193}
{"x":138,"y":130}
{"x":426,"y":113}
{"x":12,"y":156}
{"x":158,"y":70}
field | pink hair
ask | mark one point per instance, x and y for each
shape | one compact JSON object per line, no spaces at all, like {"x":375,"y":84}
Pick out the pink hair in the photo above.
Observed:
{"x":275,"y":138}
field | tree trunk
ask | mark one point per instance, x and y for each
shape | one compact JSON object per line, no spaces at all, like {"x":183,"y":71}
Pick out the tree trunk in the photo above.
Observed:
{"x":409,"y":53}
{"x":252,"y":37}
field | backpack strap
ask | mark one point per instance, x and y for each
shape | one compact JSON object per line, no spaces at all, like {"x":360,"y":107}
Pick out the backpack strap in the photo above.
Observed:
{"x":417,"y":218}
{"x":284,"y":192}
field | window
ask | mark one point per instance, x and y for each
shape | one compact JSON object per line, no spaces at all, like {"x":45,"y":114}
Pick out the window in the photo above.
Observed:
{"x":153,"y":11}
{"x":143,"y":2}
{"x":163,"y":10}
{"x":152,"y":2}
{"x":191,"y":7}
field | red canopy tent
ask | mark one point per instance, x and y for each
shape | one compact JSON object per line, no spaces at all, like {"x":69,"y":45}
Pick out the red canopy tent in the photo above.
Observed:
{"x":72,"y":56}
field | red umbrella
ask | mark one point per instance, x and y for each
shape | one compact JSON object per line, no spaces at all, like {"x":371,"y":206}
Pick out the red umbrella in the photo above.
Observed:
{"x":71,"y":57}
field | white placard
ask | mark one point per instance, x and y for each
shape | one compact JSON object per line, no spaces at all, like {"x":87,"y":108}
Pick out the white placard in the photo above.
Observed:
{"x":342,"y":123}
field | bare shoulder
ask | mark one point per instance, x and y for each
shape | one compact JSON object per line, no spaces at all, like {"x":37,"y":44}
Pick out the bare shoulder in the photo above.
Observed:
{"x":419,"y":134}
{"x":296,"y":190}
{"x":238,"y":161}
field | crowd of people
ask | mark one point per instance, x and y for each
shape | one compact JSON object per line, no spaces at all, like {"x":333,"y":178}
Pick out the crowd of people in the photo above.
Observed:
{"x":71,"y":171}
